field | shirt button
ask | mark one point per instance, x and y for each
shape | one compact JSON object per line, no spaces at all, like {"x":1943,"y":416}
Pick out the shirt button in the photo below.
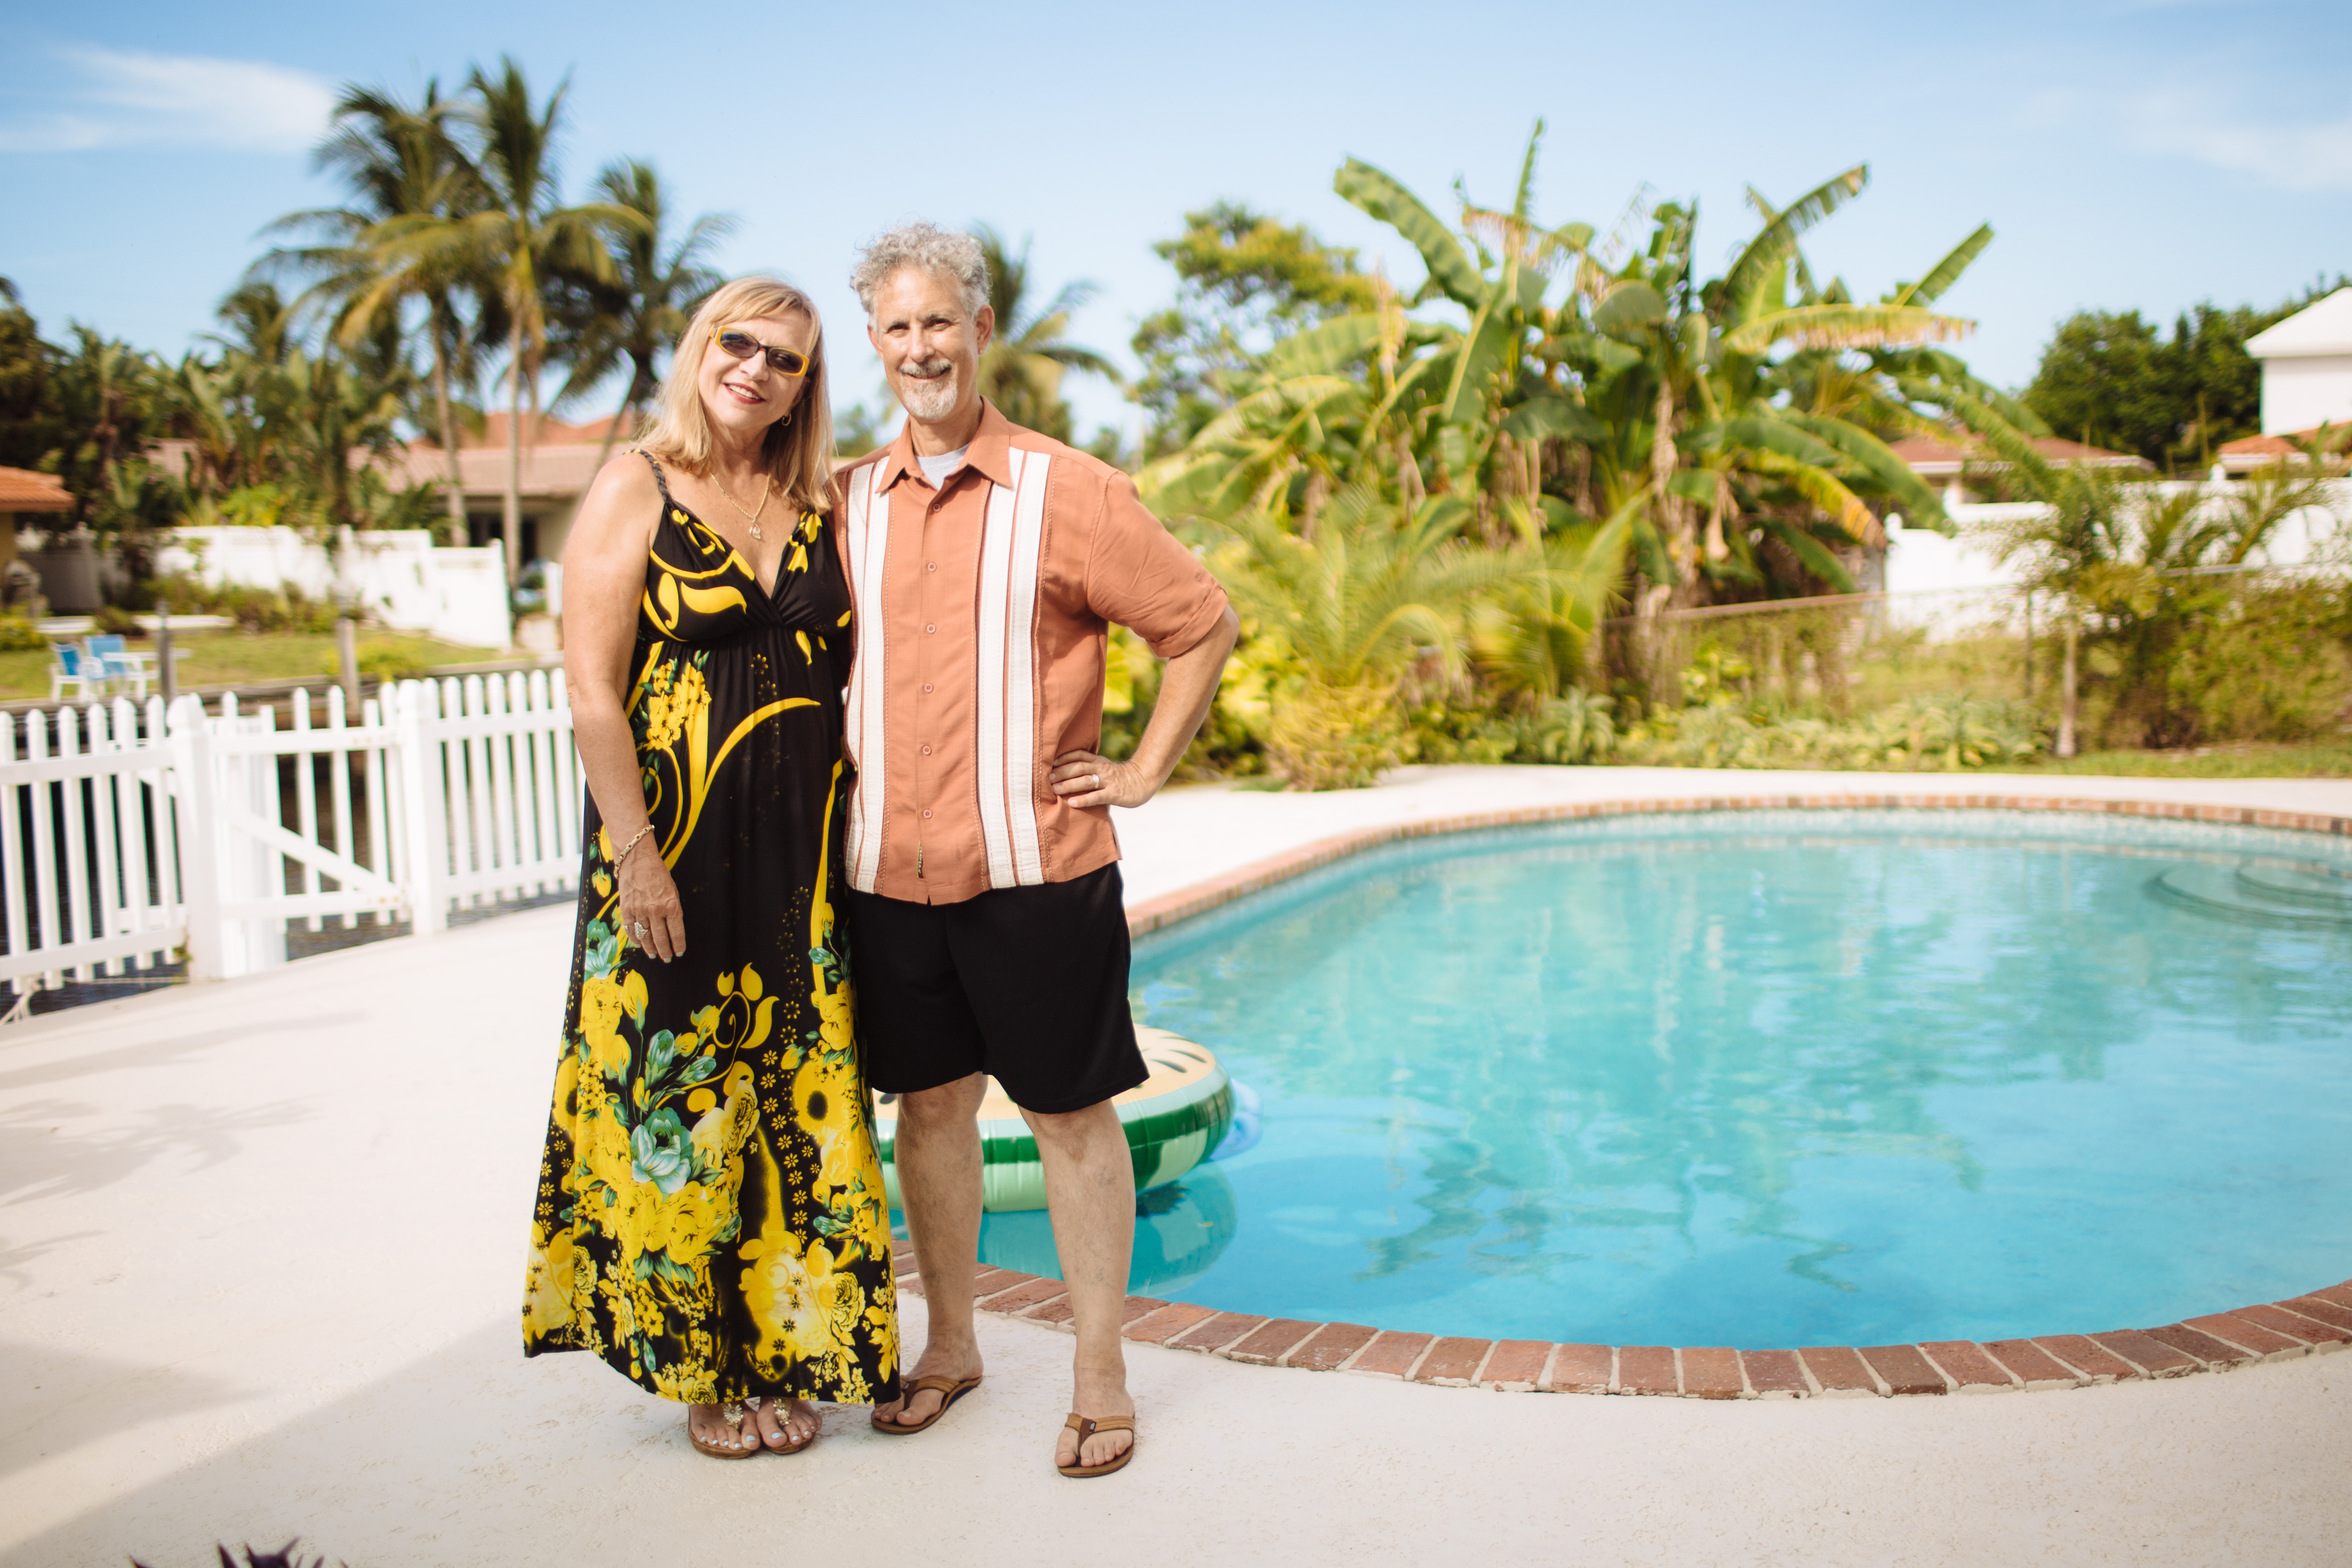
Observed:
{"x":927,"y":688}
{"x":926,"y":814}
{"x":930,"y":567}
{"x":927,"y":751}
{"x":931,"y":629}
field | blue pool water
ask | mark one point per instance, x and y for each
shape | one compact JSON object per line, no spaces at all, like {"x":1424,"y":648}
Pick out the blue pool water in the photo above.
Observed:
{"x":1769,"y":1079}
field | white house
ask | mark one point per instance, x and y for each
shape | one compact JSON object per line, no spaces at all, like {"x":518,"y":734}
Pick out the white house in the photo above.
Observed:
{"x":2307,"y":367}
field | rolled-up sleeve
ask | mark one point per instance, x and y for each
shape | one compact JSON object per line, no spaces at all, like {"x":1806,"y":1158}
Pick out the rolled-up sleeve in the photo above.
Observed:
{"x":1141,"y":576}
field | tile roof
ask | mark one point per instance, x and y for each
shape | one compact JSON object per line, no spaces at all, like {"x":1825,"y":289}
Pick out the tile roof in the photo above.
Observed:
{"x":2253,"y":451}
{"x":559,"y":473}
{"x":22,"y":489}
{"x":1928,"y":455}
{"x":540,"y":429}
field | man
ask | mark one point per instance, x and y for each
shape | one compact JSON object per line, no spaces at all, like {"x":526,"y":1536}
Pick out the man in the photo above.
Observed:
{"x":987,"y":929}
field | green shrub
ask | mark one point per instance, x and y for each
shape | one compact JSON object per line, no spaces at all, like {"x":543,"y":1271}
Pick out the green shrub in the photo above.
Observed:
{"x":253,"y":609}
{"x":2278,"y":667}
{"x":19,"y":634}
{"x":1577,"y":726}
{"x":1949,"y":732}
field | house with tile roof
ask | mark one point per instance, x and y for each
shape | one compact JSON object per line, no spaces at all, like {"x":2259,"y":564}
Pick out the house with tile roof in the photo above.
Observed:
{"x":558,"y":462}
{"x":2306,"y":363}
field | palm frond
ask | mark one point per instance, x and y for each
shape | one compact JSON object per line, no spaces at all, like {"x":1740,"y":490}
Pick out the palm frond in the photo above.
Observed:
{"x":1844,"y":327}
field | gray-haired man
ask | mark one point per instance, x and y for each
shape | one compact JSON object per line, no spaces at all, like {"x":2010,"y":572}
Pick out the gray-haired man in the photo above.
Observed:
{"x":988,"y":931}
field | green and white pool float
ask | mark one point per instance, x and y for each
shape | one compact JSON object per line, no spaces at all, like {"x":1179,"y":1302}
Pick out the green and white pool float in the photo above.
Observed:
{"x":1173,"y":1118}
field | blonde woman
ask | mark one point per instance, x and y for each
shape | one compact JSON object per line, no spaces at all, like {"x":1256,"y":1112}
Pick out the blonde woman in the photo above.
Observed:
{"x":711,"y":1217}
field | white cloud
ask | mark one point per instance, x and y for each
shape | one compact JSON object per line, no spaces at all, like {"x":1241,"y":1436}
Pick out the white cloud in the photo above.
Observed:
{"x":127,"y":98}
{"x":2290,"y":157}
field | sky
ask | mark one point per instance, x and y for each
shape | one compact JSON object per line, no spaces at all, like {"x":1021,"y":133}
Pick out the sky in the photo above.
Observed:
{"x":2130,"y":153}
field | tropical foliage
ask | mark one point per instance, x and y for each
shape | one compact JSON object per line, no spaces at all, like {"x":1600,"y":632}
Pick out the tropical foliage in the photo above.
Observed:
{"x":1022,"y":372}
{"x":1621,"y":430}
{"x":1623,"y":438}
{"x":2147,"y":577}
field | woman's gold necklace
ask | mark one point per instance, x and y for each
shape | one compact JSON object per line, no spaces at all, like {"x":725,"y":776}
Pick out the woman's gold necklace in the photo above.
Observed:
{"x":751,"y":514}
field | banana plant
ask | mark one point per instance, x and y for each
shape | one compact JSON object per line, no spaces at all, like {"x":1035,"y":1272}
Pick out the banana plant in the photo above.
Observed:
{"x":1752,"y":407}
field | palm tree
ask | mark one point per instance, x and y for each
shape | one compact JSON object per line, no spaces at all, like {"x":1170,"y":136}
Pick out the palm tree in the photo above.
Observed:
{"x":1375,"y":589}
{"x":655,"y":286}
{"x":526,"y":237}
{"x":1022,"y":372}
{"x":107,"y":393}
{"x":1537,"y":637}
{"x":406,"y":173}
{"x":268,"y":410}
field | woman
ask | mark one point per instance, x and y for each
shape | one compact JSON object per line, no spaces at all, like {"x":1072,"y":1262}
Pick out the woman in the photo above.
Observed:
{"x":711,"y":1218}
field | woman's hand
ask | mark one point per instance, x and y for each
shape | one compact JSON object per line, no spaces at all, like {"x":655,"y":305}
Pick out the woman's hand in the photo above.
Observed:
{"x":1088,"y":779}
{"x":649,"y":910}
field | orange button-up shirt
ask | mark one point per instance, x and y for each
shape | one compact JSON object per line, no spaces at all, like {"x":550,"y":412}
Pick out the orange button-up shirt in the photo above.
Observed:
{"x":982,"y":615}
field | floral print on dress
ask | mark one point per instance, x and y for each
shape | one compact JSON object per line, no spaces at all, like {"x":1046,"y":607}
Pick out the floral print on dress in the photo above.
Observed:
{"x":710,"y":1217}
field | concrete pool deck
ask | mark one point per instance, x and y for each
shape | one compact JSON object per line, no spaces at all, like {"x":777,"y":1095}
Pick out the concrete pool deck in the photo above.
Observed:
{"x":261,"y":1246}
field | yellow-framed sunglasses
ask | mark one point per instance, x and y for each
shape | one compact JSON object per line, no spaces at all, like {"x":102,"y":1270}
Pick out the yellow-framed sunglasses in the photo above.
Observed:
{"x":741,"y":344}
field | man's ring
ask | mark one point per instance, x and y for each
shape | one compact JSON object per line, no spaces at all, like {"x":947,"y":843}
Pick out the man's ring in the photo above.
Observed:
{"x":1094,"y":781}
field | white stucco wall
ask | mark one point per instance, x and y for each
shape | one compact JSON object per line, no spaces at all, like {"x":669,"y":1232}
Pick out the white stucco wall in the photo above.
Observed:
{"x":1949,"y":584}
{"x":2305,"y":391}
{"x":400,"y":578}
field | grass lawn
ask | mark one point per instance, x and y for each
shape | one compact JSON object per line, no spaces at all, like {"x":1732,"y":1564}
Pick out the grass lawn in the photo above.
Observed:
{"x":225,"y":659}
{"x":2303,"y":760}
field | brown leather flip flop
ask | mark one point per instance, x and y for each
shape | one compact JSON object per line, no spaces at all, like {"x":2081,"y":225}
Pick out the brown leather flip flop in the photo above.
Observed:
{"x":731,"y":1411}
{"x":791,"y":1447}
{"x":1087,"y":1426}
{"x":954,"y":1388}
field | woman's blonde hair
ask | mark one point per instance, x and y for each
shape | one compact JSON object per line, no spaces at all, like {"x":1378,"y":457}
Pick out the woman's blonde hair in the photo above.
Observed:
{"x":800,"y":445}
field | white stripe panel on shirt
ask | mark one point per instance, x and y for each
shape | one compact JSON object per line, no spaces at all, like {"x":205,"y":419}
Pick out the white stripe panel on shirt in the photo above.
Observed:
{"x":1021,"y":667}
{"x":869,"y":533}
{"x":852,"y":540}
{"x":989,"y":704}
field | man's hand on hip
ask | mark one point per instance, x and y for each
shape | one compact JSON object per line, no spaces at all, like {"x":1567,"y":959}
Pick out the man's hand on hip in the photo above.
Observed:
{"x":1088,"y":778}
{"x":1186,"y":689}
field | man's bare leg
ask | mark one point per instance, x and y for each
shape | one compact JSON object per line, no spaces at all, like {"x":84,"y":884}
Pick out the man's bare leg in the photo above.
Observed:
{"x":937,"y":1154}
{"x":1090,"y":1190}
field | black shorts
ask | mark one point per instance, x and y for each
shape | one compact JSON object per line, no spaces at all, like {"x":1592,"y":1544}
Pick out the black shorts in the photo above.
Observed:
{"x":1026,"y":985}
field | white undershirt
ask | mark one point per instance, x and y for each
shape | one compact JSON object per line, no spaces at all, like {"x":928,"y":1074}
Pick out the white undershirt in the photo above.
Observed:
{"x":938,"y":470}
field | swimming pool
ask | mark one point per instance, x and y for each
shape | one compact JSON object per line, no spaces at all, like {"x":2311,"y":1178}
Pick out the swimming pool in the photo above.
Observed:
{"x":1756,"y":1078}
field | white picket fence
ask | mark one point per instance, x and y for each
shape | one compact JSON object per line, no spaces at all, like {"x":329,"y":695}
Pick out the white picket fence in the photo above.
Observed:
{"x":135,"y":837}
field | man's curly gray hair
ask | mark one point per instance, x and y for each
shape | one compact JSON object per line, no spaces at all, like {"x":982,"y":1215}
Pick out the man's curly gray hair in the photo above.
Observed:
{"x":929,"y":249}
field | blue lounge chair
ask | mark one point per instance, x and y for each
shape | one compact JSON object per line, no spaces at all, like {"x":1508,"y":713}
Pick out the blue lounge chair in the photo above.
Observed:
{"x":69,"y":665}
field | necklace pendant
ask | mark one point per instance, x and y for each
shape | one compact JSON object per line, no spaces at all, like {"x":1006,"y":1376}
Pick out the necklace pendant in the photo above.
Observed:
{"x":756,"y":534}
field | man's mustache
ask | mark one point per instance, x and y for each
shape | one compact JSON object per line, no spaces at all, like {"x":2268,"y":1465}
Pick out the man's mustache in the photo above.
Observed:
{"x":938,"y":365}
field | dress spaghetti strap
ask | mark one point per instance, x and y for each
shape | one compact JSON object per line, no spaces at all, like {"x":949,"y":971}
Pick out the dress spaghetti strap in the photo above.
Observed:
{"x":661,"y":481}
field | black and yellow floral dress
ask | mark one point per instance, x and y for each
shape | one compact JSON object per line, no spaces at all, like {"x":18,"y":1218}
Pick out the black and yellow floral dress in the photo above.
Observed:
{"x":711,"y":1214}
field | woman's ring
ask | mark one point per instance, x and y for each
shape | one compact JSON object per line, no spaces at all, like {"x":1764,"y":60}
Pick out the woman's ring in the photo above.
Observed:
{"x":640,"y":930}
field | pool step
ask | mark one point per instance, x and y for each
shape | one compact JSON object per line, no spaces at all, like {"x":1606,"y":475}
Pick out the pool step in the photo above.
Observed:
{"x":2328,"y":891}
{"x":2284,"y":898}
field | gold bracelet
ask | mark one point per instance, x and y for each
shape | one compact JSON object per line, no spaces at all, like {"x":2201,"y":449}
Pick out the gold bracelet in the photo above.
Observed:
{"x":632,"y":844}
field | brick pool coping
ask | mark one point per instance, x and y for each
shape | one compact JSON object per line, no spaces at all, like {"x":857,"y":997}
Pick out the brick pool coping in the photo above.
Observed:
{"x":2306,"y":1325}
{"x":2278,"y":1331}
